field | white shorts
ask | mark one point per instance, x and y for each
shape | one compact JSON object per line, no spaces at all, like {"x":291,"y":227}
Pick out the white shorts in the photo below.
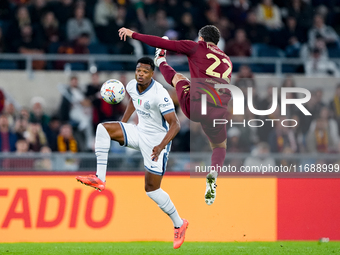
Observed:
{"x":134,"y":138}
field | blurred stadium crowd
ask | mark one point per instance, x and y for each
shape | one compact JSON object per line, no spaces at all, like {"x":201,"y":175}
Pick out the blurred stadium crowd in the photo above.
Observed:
{"x":266,"y":28}
{"x":294,"y":28}
{"x":72,"y":127}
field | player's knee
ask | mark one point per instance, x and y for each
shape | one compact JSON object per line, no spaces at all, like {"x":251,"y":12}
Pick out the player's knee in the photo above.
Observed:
{"x":219,"y":145}
{"x":178,"y":77}
{"x":150,"y":186}
{"x":111,"y":127}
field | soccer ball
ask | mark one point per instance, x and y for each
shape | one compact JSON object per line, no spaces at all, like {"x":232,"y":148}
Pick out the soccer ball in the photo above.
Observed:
{"x":112,"y":91}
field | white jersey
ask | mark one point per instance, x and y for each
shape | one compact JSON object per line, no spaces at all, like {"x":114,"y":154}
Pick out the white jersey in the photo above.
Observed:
{"x":151,"y":105}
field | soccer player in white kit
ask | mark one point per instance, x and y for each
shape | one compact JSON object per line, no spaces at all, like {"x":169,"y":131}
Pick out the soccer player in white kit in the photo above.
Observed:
{"x":157,"y":126}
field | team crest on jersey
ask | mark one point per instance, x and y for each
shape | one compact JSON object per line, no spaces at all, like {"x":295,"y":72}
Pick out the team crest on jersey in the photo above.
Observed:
{"x":147,"y":105}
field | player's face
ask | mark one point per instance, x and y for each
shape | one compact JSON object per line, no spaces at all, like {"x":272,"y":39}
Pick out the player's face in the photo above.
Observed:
{"x":143,"y":74}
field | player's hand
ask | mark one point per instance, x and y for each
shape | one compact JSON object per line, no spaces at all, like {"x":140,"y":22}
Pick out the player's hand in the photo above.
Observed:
{"x":155,"y":152}
{"x":124,"y":32}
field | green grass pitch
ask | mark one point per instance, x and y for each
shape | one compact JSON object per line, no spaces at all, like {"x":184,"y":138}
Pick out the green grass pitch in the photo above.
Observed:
{"x":159,"y":248}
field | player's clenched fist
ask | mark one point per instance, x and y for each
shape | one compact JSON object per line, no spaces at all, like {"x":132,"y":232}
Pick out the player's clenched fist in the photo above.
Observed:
{"x":124,"y":32}
{"x":155,"y":152}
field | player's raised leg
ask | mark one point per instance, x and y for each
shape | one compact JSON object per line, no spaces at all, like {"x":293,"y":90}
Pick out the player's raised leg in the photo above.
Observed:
{"x":217,"y":159}
{"x":162,"y":199}
{"x":104,"y":134}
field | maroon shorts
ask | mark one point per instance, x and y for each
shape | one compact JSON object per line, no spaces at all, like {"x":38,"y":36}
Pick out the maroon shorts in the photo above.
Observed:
{"x":192,"y":109}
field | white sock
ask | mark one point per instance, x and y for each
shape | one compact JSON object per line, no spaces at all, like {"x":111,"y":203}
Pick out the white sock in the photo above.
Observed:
{"x":101,"y":148}
{"x":164,"y":202}
{"x":160,"y":60}
{"x":214,"y":174}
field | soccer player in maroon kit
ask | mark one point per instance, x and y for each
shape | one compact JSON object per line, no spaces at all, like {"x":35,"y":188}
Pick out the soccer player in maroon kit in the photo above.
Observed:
{"x":208,"y":66}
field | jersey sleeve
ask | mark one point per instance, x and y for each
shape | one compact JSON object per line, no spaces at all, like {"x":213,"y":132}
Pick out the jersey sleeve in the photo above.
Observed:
{"x":185,"y":47}
{"x":165,"y":103}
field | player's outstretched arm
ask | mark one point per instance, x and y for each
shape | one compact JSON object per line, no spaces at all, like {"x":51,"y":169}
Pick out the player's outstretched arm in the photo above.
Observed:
{"x":184,"y":46}
{"x":128,"y":111}
{"x":174,"y":128}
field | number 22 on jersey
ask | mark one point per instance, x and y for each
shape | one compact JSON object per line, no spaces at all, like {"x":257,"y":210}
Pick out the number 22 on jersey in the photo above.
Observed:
{"x":210,"y":70}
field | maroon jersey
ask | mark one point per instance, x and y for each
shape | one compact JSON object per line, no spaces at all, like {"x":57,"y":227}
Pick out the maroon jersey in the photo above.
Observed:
{"x":208,"y":64}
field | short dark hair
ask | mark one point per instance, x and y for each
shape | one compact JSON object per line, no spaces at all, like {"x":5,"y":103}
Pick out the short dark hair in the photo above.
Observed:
{"x":148,"y":61}
{"x":210,"y":33}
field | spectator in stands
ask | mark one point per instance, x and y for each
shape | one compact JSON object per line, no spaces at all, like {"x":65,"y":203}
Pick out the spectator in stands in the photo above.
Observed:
{"x":320,"y":139}
{"x":174,"y":10}
{"x":186,"y":28}
{"x":199,"y":144}
{"x":246,"y":75}
{"x":156,"y":24}
{"x":133,"y":47}
{"x":3,"y":44}
{"x":2,"y":101}
{"x":105,"y":14}
{"x":66,"y":141}
{"x":52,"y":132}
{"x":35,"y":136}
{"x":63,"y":10}
{"x":240,"y":46}
{"x":335,"y":106}
{"x":45,"y":162}
{"x":332,"y":125}
{"x":256,"y":32}
{"x":247,"y":137}
{"x":307,"y":51}
{"x":233,"y":141}
{"x":321,"y":30}
{"x":30,"y":43}
{"x":281,"y":137}
{"x":22,"y":18}
{"x":318,"y":66}
{"x":226,"y":29}
{"x":24,"y":113}
{"x":37,"y":9}
{"x":291,"y":38}
{"x":145,"y":9}
{"x":302,"y":12}
{"x":5,"y":11}
{"x":305,"y":120}
{"x":260,"y":156}
{"x":18,"y":163}
{"x":77,"y":109}
{"x":78,"y":46}
{"x":37,"y":113}
{"x":238,"y":12}
{"x":288,"y":82}
{"x":7,"y":138}
{"x":79,"y":25}
{"x":50,"y":29}
{"x":11,"y":113}
{"x":121,"y":19}
{"x":20,"y":127}
{"x":212,"y":18}
{"x":269,"y":15}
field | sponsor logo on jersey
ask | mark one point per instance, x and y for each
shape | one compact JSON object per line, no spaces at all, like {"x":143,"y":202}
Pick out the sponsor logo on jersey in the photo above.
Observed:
{"x":143,"y":114}
{"x":166,"y":99}
{"x":164,"y":105}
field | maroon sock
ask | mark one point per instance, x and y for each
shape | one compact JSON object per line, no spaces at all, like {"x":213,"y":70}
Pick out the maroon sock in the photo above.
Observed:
{"x":167,"y":71}
{"x":183,"y":95}
{"x":218,"y":156}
